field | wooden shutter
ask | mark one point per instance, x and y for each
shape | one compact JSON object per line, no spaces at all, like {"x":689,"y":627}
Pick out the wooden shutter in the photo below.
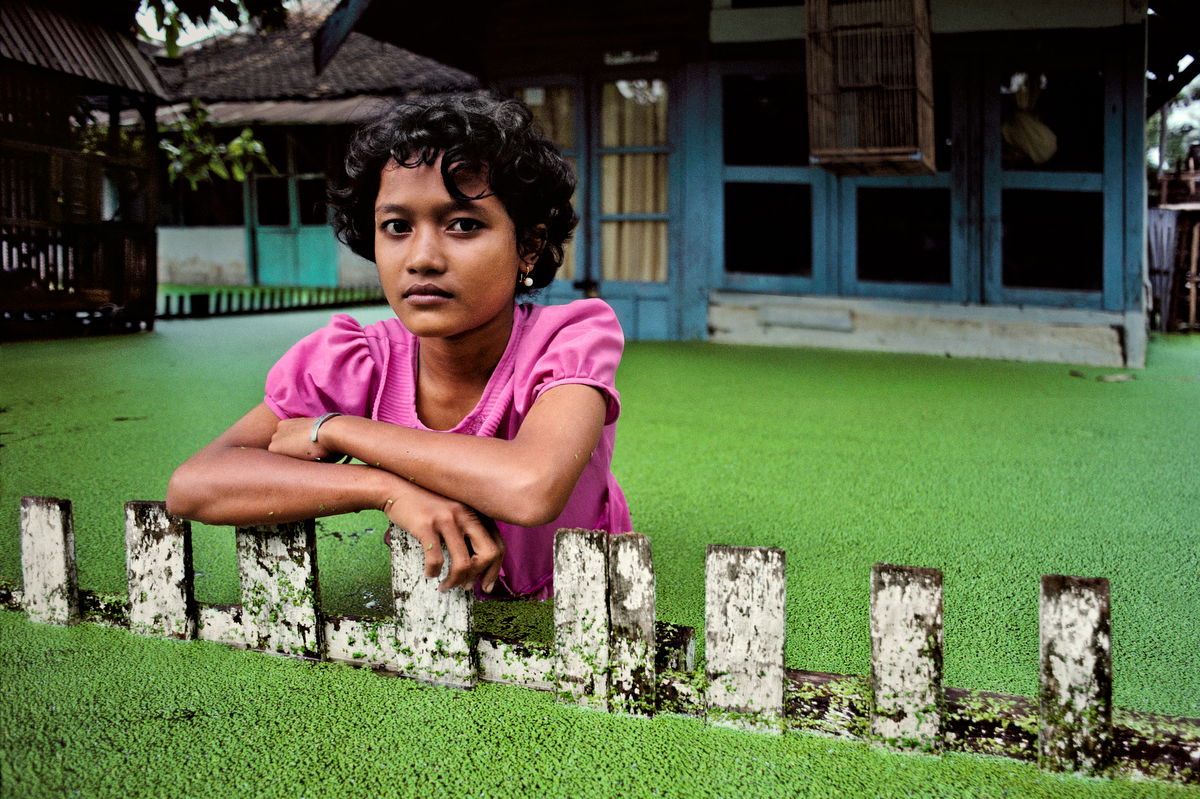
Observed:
{"x":870,"y":86}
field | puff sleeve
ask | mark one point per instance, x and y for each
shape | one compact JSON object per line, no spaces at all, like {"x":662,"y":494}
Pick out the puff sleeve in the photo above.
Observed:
{"x":577,"y":343}
{"x":331,"y":369}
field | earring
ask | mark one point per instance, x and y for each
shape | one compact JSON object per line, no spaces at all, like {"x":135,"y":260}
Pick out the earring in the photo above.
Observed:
{"x":525,"y":280}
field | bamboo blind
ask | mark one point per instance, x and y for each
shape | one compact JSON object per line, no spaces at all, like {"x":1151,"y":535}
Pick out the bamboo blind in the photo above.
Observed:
{"x":870,"y":86}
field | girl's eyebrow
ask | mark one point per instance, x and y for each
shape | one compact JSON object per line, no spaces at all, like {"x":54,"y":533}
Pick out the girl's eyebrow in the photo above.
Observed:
{"x":442,"y":209}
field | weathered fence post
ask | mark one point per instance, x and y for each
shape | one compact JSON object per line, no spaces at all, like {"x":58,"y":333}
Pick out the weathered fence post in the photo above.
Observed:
{"x":906,"y":657}
{"x":158,"y":565}
{"x":278,"y":568}
{"x":744,"y":619}
{"x":631,"y":606}
{"x":581,"y":622}
{"x":51,"y":590}
{"x":1075,"y":731}
{"x":433,"y":629}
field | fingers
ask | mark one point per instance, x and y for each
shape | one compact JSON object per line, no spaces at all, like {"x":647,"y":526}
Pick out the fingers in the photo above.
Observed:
{"x":489,"y":549}
{"x":431,"y":545}
{"x":471,"y":541}
{"x":461,"y":567}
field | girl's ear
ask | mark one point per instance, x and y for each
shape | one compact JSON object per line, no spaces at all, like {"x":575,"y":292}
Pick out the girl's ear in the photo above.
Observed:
{"x":532,"y":243}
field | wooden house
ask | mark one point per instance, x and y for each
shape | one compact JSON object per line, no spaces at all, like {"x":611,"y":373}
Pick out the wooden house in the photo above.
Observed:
{"x":1013,"y":227}
{"x":271,"y":230}
{"x":77,"y":187}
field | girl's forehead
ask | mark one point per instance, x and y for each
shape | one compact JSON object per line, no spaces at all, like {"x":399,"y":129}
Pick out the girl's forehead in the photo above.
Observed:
{"x":470,"y":179}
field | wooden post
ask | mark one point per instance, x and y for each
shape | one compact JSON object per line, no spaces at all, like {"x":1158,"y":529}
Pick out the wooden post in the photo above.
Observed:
{"x":906,"y":657}
{"x":433,"y":629}
{"x":581,"y":622}
{"x":631,"y":604}
{"x":744,"y":594}
{"x":51,"y":590}
{"x":278,"y":567}
{"x":158,"y":565}
{"x":1075,"y":731}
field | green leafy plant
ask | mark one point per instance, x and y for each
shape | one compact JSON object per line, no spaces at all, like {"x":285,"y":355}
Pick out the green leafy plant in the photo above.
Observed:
{"x":172,"y":15}
{"x":195,"y":154}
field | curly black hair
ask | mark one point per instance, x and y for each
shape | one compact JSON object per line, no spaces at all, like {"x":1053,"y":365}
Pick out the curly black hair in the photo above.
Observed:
{"x":474,"y":136}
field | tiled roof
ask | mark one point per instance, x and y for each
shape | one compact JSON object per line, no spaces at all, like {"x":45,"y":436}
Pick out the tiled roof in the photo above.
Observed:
{"x":279,"y":66}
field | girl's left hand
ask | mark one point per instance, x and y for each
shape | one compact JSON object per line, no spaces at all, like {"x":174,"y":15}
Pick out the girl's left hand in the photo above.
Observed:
{"x":292,"y":437}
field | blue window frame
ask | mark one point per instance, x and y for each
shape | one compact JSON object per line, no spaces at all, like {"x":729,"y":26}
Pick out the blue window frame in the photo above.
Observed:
{"x":1053,"y":178}
{"x":626,"y":247}
{"x":773,"y":214}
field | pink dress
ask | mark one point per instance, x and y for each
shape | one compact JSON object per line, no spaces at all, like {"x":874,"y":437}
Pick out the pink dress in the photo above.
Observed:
{"x":371,"y":371}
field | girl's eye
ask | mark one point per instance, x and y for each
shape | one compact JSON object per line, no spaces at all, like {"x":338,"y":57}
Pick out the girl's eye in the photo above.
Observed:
{"x":465,"y":225}
{"x":394,"y":227}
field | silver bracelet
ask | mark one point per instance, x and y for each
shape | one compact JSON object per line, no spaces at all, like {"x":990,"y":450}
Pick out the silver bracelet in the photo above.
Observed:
{"x":322,"y":419}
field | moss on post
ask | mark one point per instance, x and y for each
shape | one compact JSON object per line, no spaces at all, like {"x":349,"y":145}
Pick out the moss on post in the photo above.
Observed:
{"x":744,"y":595}
{"x":631,"y":606}
{"x":1075,"y":691}
{"x":158,"y":566}
{"x":908,"y":705}
{"x":434,"y":631}
{"x":278,"y":568}
{"x":581,"y":621}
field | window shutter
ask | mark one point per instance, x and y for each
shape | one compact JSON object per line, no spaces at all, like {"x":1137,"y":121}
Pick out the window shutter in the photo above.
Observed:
{"x":870,"y":86}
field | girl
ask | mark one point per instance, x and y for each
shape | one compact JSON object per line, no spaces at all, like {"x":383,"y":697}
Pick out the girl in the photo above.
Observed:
{"x":482,"y":425}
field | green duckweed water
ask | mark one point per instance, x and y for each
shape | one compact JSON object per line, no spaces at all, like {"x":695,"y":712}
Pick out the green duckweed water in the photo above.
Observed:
{"x":994,"y":472}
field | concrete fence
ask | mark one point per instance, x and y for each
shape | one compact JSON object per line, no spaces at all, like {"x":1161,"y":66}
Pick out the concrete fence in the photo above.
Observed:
{"x":237,"y":300}
{"x":610,"y":653}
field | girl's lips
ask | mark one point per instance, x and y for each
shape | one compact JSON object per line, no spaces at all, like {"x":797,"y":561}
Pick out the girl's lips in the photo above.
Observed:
{"x":426,"y":294}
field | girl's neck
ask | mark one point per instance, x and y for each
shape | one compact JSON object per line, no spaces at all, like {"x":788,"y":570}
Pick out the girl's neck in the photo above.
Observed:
{"x":453,"y":372}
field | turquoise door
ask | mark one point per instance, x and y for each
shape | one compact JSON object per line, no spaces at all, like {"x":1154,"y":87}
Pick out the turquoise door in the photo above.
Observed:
{"x":292,"y":242}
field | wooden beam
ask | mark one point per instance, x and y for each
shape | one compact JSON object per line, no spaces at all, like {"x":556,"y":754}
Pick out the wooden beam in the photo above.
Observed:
{"x":631,"y":607}
{"x":278,"y":569}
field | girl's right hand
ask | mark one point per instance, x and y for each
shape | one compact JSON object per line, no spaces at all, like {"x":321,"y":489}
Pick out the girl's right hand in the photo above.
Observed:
{"x":436,"y":521}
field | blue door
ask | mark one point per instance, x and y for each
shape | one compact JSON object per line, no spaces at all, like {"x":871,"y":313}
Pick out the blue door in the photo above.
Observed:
{"x":619,"y":134}
{"x":293,"y":243}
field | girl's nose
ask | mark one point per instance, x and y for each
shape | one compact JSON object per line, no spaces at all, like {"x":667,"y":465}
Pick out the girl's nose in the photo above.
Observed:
{"x":425,"y":253}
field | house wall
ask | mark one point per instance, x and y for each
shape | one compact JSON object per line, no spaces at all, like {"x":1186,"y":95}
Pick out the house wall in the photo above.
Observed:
{"x":203,"y":256}
{"x":729,"y":25}
{"x":216,"y":256}
{"x":976,"y":313}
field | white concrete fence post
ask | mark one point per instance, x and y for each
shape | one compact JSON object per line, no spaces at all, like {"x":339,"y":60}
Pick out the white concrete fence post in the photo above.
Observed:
{"x":278,"y":569}
{"x":906,"y":657}
{"x":51,"y":589}
{"x":631,"y":607}
{"x":434,"y":639}
{"x":744,"y":633}
{"x":158,"y":566}
{"x":582,"y":629}
{"x":1075,"y":731}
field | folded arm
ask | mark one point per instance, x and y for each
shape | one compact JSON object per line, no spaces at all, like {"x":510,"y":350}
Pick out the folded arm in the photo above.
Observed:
{"x":524,"y":481}
{"x":237,"y":480}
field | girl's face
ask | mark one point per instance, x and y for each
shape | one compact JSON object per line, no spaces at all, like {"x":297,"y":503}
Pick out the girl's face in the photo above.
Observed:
{"x":448,"y":268}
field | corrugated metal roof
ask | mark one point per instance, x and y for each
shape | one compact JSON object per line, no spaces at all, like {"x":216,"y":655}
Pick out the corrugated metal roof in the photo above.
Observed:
{"x":43,"y":37}
{"x":343,"y":111}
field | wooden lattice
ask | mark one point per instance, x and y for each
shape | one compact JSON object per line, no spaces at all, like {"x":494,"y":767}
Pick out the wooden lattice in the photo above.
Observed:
{"x":870,"y":86}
